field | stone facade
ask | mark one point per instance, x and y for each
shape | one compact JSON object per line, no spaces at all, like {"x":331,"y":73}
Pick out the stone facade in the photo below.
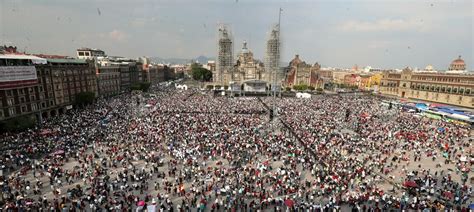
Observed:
{"x":452,"y":89}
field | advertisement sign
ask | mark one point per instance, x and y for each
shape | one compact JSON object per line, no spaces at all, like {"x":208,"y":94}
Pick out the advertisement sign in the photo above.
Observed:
{"x":15,"y":76}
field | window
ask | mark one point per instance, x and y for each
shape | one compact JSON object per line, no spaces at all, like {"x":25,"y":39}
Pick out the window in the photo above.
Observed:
{"x":1,"y":113}
{"x":87,"y":54}
{"x":468,"y":91}
{"x":32,"y":98}
{"x":23,"y":109}
{"x":443,"y":89}
{"x":455,"y":90}
{"x":34,"y":107}
{"x":11,"y":111}
{"x":10,"y":102}
{"x":81,"y":53}
{"x":43,"y":105}
{"x":22,"y":99}
{"x":9,"y":93}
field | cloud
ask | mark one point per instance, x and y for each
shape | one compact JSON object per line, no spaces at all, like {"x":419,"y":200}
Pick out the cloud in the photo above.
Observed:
{"x":380,"y":25}
{"x":117,"y":35}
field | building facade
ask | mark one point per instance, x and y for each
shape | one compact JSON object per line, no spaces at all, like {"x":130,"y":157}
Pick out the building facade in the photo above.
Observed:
{"x":24,"y":90}
{"x":69,"y":78}
{"x":108,"y":80}
{"x":301,"y":73}
{"x":452,"y":89}
{"x":88,"y":53}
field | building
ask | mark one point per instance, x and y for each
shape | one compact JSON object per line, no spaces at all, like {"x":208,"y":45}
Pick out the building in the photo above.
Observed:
{"x":69,"y":77}
{"x":301,"y":73}
{"x":108,"y":80}
{"x":353,"y":80}
{"x":457,"y":65}
{"x":446,"y":88}
{"x":88,"y":53}
{"x":225,"y":58}
{"x":24,"y":90}
{"x":272,"y":58}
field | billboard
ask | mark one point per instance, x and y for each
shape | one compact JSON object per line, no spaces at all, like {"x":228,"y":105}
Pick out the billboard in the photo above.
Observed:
{"x":15,"y":76}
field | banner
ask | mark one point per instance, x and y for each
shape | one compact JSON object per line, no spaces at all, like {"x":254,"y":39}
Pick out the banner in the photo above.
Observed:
{"x":17,"y":73}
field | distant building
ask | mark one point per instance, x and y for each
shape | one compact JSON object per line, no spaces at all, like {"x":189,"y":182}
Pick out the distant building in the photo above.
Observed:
{"x":225,"y":56}
{"x":88,"y":53}
{"x":69,"y":78}
{"x":301,"y":73}
{"x":453,"y":89}
{"x":457,"y":65}
{"x":108,"y":80}
{"x":24,"y":90}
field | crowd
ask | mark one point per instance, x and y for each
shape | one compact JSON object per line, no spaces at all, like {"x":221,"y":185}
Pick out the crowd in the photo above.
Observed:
{"x":186,"y":150}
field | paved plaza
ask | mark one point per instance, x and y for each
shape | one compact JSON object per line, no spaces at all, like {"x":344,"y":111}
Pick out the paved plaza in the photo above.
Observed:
{"x":188,"y":150}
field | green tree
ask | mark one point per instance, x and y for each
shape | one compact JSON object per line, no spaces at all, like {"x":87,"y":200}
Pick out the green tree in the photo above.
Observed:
{"x":84,"y":98}
{"x":201,"y":74}
{"x":18,"y":124}
{"x":311,"y":88}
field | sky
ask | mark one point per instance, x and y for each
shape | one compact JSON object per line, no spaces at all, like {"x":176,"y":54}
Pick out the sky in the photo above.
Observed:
{"x":334,"y":33}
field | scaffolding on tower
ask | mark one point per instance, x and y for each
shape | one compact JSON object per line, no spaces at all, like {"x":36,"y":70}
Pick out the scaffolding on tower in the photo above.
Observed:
{"x":225,"y":58}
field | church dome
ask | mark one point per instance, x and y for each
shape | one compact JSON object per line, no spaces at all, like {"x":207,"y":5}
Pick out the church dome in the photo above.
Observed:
{"x":458,"y":64}
{"x":295,"y":61}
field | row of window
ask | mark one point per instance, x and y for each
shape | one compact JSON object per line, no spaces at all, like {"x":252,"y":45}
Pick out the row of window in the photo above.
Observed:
{"x":435,"y":96}
{"x":443,"y":89}
{"x":11,"y":111}
{"x":443,"y":79}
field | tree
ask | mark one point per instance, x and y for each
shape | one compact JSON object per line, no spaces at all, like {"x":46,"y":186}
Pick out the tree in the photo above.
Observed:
{"x":18,"y":124}
{"x":311,"y":88}
{"x":300,"y":87}
{"x":201,"y":74}
{"x":84,"y":98}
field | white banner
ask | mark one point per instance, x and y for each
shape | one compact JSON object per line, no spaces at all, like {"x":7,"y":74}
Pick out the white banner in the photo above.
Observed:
{"x":255,"y":86}
{"x":17,"y":73}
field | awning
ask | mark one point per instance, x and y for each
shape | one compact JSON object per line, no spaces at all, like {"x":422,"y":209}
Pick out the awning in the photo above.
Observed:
{"x":34,"y":59}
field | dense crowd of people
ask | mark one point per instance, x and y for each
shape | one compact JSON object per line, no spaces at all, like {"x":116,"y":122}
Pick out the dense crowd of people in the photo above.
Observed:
{"x":188,"y":150}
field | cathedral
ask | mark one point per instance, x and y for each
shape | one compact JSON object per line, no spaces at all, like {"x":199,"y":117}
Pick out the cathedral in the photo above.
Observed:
{"x":246,"y":72}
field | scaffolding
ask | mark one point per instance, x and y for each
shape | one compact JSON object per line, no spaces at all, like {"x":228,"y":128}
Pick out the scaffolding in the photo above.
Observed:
{"x":225,"y":54}
{"x":272,"y":58}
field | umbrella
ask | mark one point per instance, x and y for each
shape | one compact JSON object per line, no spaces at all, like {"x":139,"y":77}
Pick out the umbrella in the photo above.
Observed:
{"x":471,"y":206}
{"x":410,"y":184}
{"x":289,"y":203}
{"x":141,"y":203}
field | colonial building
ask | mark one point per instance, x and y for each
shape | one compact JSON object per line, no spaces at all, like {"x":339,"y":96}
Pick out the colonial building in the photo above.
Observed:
{"x":457,"y":65}
{"x":69,"y":78}
{"x":24,"y":90}
{"x":247,"y":68}
{"x":108,"y":80}
{"x":453,"y":89}
{"x":301,"y":73}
